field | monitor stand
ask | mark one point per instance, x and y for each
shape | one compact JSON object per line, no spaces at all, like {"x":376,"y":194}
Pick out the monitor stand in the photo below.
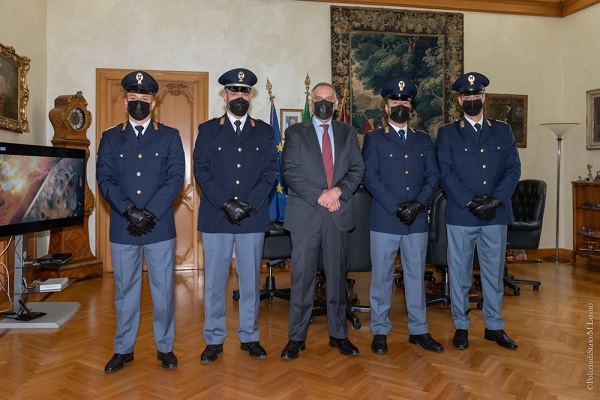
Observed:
{"x":32,"y":315}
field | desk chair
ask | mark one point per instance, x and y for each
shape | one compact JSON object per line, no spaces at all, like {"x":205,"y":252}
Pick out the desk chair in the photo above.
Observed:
{"x":528,"y":203}
{"x":277,"y":249}
{"x":437,"y":248}
{"x":359,"y":258}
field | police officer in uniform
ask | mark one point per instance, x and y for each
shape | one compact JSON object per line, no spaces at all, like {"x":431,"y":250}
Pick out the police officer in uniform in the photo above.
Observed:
{"x":402,"y":176}
{"x":235,"y":166}
{"x":479,"y":170}
{"x":140,"y":171}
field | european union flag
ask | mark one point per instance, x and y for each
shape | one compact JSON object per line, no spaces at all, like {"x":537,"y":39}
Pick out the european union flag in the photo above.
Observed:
{"x":279,"y":191}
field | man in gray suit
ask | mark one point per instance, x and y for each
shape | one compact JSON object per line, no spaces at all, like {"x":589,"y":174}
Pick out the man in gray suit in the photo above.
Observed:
{"x":322,"y":166}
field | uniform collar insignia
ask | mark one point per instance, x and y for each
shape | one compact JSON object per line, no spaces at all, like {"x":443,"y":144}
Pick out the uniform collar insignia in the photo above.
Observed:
{"x":252,"y":123}
{"x":386,"y":130}
{"x":462,"y":124}
{"x":222,"y":121}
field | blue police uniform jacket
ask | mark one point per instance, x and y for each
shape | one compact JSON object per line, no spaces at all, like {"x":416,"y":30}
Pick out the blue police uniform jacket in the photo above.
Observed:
{"x":147,"y":173}
{"x":472,"y":164}
{"x":227,"y":167}
{"x":396,"y":172}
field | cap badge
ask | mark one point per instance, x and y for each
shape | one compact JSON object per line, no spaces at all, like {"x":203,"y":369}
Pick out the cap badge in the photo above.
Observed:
{"x":401,"y":85}
{"x":471,"y":79}
{"x":139,"y":77}
{"x":241,"y":76}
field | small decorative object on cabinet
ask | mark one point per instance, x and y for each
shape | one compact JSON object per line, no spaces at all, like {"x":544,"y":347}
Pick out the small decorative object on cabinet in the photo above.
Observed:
{"x":586,"y":221}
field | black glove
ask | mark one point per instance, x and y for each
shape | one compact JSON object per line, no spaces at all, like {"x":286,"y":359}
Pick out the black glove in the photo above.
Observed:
{"x":484,"y":207}
{"x":133,"y":231}
{"x":236,"y":211}
{"x":408,"y":211}
{"x":141,"y":219}
{"x":489,"y":206}
{"x":475,"y":206}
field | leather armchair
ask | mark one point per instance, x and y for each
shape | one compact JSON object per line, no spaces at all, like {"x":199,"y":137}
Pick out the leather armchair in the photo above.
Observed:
{"x":528,"y":203}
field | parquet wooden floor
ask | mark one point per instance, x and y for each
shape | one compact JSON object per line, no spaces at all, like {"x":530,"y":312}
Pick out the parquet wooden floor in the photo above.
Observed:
{"x":552,"y":328}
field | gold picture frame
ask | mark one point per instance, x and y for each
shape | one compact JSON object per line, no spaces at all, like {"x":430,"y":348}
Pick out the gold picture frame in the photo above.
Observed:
{"x":14,"y":93}
{"x":509,"y":108}
{"x":593,"y":120}
{"x":288,"y":117}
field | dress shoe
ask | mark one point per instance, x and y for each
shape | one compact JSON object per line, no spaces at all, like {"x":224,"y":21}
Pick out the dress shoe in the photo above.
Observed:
{"x":254,"y":349}
{"x":117,"y":361}
{"x":501,"y":338}
{"x":291,"y":349}
{"x":344,"y":346}
{"x":379,"y":344}
{"x":167,"y":360}
{"x":210,"y":353}
{"x":461,"y":339}
{"x":427,"y":342}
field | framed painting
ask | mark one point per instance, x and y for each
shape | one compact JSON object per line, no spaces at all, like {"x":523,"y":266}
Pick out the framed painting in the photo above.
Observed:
{"x":289,"y":117}
{"x":593,"y":120}
{"x":509,"y":108}
{"x":370,"y":47}
{"x":14,"y":93}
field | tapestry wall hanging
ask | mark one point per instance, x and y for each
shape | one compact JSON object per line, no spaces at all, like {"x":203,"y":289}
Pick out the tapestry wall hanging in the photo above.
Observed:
{"x":369,"y":47}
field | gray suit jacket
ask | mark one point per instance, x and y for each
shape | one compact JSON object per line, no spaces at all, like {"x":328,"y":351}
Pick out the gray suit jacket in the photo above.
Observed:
{"x":304,"y":173}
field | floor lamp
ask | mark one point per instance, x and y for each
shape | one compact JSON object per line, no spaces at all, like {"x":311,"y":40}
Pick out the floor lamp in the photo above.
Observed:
{"x":559,"y":130}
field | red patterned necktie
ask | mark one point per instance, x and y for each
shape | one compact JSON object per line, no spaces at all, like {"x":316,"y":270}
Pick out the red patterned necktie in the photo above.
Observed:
{"x":327,"y":155}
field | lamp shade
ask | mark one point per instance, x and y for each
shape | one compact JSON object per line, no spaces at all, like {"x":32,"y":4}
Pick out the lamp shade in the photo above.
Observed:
{"x":559,"y":128}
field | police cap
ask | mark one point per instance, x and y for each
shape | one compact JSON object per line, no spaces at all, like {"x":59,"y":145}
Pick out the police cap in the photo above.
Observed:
{"x":399,"y":89}
{"x":238,"y":80}
{"x":471,"y":82}
{"x":140,"y":82}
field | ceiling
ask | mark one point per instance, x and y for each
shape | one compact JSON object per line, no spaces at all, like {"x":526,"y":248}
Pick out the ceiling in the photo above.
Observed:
{"x":543,"y":8}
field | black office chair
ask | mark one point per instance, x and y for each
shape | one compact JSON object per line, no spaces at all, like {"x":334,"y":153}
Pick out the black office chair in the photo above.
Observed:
{"x":528,"y":203}
{"x":437,"y":251}
{"x":277,"y":249}
{"x":359,"y":259}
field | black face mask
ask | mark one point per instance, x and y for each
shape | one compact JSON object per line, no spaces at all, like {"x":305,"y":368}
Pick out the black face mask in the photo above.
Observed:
{"x":239,"y":107}
{"x":323,"y":109}
{"x":399,"y":114}
{"x":138,"y":109}
{"x":472,"y":107}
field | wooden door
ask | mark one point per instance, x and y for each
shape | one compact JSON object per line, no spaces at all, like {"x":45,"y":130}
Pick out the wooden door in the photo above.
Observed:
{"x":181,"y":102}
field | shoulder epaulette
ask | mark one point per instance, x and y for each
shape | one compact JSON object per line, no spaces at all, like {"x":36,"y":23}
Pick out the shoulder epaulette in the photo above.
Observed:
{"x":448,"y":123}
{"x":418,"y":131}
{"x":489,"y":122}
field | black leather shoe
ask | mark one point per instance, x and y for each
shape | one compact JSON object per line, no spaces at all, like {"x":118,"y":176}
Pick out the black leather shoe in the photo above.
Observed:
{"x":292,"y":349}
{"x":427,"y":342}
{"x":501,"y":338}
{"x":117,"y":361}
{"x":461,"y":339}
{"x":254,"y":349}
{"x":167,"y":360}
{"x":379,"y":344}
{"x":344,"y":346}
{"x":210,"y":353}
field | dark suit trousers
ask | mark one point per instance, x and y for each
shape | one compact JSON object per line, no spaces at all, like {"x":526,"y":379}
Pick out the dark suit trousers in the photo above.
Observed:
{"x":306,"y":253}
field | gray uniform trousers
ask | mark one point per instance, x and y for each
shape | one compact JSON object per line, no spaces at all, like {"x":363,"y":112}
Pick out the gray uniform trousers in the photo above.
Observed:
{"x":127,"y":266}
{"x":218,"y":250}
{"x":413,"y":250}
{"x":491,"y":249}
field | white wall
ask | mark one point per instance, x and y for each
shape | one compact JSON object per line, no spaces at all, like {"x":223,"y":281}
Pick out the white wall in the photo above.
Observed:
{"x":545,"y":58}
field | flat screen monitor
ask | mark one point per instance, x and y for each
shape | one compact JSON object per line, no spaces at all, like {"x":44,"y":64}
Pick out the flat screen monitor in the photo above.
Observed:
{"x":41,"y":188}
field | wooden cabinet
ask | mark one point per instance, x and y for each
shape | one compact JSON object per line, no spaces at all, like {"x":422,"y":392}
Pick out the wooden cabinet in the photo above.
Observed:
{"x":586,"y":221}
